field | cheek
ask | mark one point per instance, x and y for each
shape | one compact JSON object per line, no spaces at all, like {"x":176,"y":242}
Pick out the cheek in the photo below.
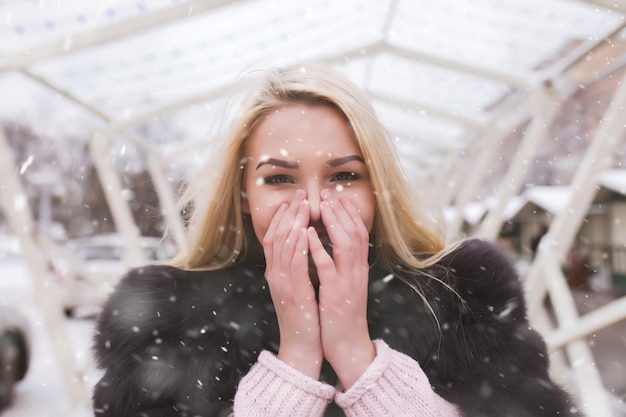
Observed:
{"x":367,"y":210}
{"x":263,"y":207}
{"x":262,"y":214}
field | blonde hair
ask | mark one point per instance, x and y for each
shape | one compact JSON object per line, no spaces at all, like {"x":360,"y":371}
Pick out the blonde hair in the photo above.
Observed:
{"x":404,"y":234}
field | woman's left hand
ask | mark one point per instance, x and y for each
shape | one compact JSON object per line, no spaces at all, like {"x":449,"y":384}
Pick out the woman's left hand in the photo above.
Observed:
{"x":343,"y":289}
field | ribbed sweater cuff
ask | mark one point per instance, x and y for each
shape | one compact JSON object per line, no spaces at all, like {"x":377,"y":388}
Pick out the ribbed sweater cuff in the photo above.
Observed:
{"x":273,"y":388}
{"x":393,"y":385}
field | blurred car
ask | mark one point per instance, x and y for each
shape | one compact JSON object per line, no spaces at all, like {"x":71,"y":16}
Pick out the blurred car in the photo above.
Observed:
{"x":14,"y":351}
{"x":96,"y":265}
{"x":15,"y":285}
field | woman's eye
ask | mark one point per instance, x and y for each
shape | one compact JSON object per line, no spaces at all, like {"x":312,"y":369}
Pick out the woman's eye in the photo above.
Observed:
{"x":346,"y":176}
{"x":277,"y":179}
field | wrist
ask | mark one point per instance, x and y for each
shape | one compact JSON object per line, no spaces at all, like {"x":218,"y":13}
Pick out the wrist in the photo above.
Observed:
{"x":350,"y":361}
{"x":304,"y":360}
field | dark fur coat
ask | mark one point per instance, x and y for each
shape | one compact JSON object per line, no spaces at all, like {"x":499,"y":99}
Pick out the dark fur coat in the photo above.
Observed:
{"x":176,"y":343}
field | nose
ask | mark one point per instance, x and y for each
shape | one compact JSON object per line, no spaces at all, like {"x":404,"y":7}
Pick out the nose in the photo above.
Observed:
{"x":313,"y":190}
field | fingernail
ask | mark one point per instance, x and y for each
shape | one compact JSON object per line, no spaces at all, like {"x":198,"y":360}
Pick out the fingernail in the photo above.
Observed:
{"x":299,"y":195}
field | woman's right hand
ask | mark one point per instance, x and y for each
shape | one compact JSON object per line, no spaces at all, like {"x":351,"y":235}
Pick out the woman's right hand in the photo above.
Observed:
{"x":286,"y":249}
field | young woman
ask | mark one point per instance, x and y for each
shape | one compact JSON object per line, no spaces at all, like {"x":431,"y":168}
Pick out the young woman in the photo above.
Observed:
{"x":315,"y":285}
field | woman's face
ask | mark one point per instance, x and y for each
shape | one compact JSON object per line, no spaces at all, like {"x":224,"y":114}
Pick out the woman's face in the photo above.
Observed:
{"x":310,"y":148}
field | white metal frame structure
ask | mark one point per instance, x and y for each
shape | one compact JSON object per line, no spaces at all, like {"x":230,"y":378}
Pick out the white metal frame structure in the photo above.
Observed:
{"x":442,"y":75}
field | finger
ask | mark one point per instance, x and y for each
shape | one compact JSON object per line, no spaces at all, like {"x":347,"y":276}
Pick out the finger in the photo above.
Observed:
{"x":331,"y":222}
{"x":302,"y":216}
{"x":363,"y":234}
{"x":290,"y":245}
{"x":286,"y":222}
{"x":300,"y":260}
{"x":342,"y":217}
{"x":342,"y":234}
{"x":268,"y":239}
{"x":280,"y":240}
{"x":346,"y":221}
{"x":322,"y":260}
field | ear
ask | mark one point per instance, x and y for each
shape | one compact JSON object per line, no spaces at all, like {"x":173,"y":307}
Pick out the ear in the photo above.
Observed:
{"x":245,"y":204}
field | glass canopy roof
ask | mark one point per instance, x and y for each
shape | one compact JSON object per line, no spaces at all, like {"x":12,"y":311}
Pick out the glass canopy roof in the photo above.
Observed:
{"x":439,"y":72}
{"x":445,"y":76}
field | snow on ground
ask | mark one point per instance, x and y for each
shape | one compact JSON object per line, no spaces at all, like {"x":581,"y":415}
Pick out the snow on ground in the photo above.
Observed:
{"x":42,"y":393}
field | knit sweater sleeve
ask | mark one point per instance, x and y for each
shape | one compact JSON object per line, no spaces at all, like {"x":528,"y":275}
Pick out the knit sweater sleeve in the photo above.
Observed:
{"x":393,"y":385}
{"x":274,"y":389}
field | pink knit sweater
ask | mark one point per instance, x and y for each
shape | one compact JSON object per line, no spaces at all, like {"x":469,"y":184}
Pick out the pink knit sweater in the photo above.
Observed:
{"x":393,"y":385}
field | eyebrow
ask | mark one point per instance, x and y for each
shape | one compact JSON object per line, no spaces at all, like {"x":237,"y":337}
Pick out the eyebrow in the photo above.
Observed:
{"x":293,"y":165}
{"x":278,"y":162}
{"x":344,"y":160}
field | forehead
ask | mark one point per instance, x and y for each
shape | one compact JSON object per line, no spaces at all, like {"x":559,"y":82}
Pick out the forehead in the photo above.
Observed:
{"x":302,"y":130}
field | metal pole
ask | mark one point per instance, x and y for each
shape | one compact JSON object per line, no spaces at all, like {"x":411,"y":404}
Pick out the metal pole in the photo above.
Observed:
{"x":590,"y":388}
{"x":122,"y":216}
{"x":598,"y":319}
{"x":14,"y":203}
{"x":510,"y":185}
{"x":480,"y":163}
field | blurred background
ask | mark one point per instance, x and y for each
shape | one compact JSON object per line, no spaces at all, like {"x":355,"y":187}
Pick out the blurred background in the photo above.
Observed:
{"x":507,"y":114}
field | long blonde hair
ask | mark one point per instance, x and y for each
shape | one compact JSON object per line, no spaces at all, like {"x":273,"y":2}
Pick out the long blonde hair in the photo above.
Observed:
{"x":404,"y":233}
